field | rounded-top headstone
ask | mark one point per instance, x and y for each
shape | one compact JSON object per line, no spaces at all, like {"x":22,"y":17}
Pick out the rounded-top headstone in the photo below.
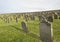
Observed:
{"x":24,"y":26}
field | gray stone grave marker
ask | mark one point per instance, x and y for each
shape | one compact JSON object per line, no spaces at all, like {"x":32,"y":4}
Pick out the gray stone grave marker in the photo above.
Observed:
{"x":55,"y":16}
{"x":50,"y":19}
{"x":46,"y":33}
{"x":32,"y":17}
{"x":16,"y":20}
{"x":24,"y":26}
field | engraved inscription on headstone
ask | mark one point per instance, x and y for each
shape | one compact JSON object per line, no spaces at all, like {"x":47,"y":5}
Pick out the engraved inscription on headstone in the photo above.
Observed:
{"x":39,"y":17}
{"x":32,"y":17}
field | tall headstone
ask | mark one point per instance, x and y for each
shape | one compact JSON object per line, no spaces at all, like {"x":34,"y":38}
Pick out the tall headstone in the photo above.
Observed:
{"x":46,"y":32}
{"x":26,"y":17}
{"x":55,"y":16}
{"x":39,"y":17}
{"x":8,"y":20}
{"x":24,"y":26}
{"x":16,"y":20}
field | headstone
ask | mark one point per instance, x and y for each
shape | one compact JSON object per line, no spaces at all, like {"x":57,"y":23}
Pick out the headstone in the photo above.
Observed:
{"x":16,"y":20}
{"x":18,"y":16}
{"x":11,"y":19}
{"x":32,"y":17}
{"x":46,"y":33}
{"x":55,"y":16}
{"x":24,"y":26}
{"x":26,"y":17}
{"x":8,"y":21}
{"x":50,"y":18}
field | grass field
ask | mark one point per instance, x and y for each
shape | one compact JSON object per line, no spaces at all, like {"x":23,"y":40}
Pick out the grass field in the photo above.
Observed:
{"x":12,"y":32}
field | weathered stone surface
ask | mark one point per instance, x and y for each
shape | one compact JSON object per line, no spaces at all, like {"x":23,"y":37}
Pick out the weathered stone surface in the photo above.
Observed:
{"x":46,"y":33}
{"x":24,"y":26}
{"x":39,"y":17}
{"x":32,"y":17}
{"x":26,"y":17}
{"x":59,"y":17}
{"x":55,"y":17}
{"x":16,"y":20}
{"x":50,"y":19}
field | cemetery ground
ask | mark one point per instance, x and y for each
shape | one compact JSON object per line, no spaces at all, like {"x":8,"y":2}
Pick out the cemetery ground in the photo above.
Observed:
{"x":12,"y":32}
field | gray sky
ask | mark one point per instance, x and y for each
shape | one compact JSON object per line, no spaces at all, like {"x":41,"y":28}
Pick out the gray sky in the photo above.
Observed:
{"x":28,"y":5}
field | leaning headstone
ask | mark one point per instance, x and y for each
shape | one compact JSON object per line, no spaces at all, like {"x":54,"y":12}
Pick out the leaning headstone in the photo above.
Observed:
{"x":16,"y":20}
{"x":24,"y":26}
{"x":46,"y":33}
{"x":10,"y":18}
{"x":39,"y":17}
{"x":8,"y":21}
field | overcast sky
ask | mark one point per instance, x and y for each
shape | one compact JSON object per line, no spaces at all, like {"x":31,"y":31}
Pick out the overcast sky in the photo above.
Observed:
{"x":28,"y":5}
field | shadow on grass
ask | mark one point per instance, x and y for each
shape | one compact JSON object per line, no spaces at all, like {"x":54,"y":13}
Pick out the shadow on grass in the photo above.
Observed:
{"x":28,"y":33}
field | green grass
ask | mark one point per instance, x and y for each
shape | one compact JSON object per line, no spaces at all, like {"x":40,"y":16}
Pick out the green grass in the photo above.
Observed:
{"x":12,"y":32}
{"x":9,"y":33}
{"x":56,"y":30}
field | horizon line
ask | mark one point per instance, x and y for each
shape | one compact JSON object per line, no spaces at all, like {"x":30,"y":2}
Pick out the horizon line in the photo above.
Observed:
{"x":30,"y":11}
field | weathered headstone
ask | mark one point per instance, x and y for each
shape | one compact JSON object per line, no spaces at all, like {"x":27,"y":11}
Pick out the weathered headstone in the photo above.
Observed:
{"x":55,"y":16}
{"x":7,"y":19}
{"x":26,"y":17}
{"x":32,"y":17}
{"x":50,"y":19}
{"x":46,"y":33}
{"x":16,"y":20}
{"x":18,"y":16}
{"x":24,"y":26}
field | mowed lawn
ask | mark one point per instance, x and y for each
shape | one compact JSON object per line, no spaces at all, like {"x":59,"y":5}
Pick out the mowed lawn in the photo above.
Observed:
{"x":12,"y":32}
